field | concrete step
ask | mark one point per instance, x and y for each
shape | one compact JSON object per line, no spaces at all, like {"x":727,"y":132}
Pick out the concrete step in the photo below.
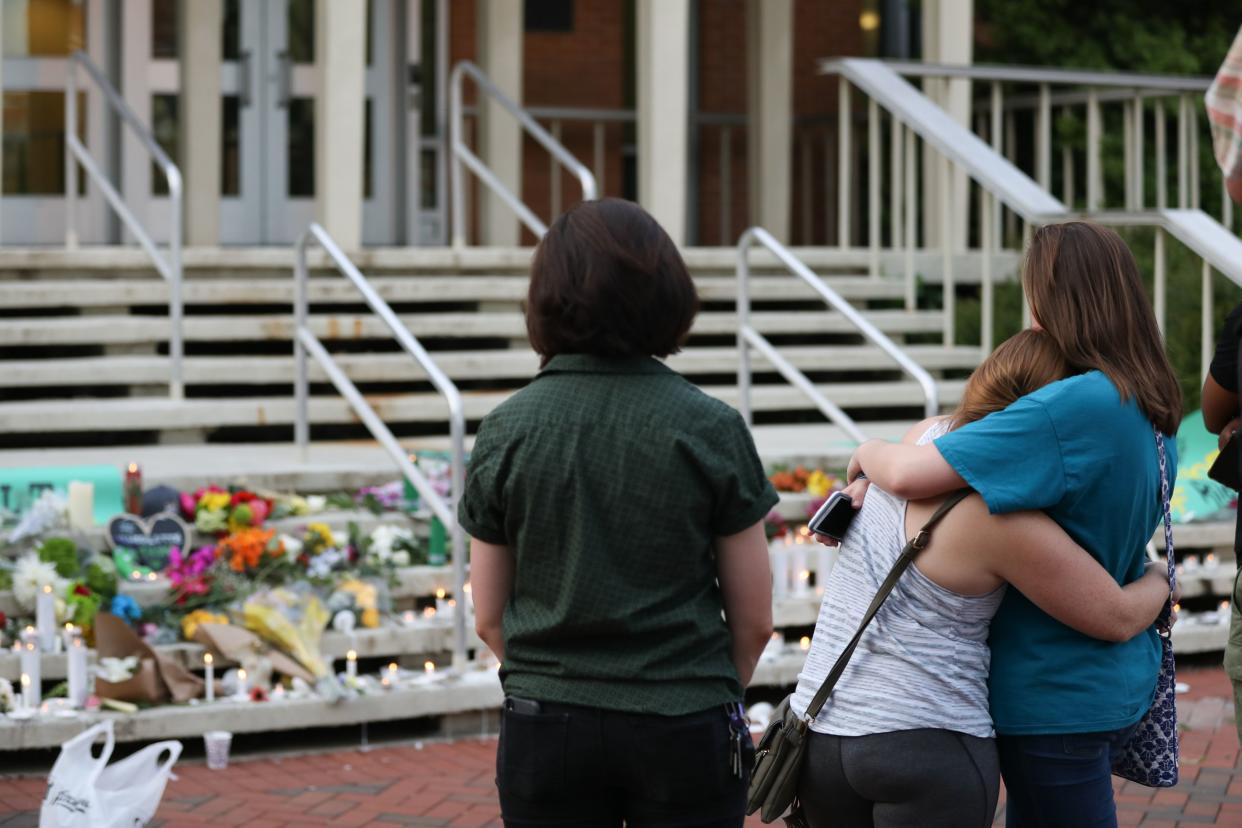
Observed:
{"x":152,"y":413}
{"x":97,"y":292}
{"x":117,"y":329}
{"x":459,"y":365}
{"x":335,"y":465}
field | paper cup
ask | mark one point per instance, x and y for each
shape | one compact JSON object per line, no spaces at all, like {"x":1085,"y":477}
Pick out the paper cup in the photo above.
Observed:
{"x":217,"y":742}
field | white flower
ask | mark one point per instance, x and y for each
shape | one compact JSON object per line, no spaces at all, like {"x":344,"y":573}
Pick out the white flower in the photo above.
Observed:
{"x":293,"y":546}
{"x":385,"y":542}
{"x":315,"y":504}
{"x":117,"y":669}
{"x":6,"y":696}
{"x":401,"y":558}
{"x":48,"y":512}
{"x":30,"y":576}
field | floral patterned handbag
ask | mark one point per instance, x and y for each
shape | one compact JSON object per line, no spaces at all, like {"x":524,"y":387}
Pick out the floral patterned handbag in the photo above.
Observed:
{"x":1150,"y":756}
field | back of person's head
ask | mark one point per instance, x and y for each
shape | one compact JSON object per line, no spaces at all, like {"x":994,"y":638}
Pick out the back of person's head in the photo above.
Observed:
{"x":1025,"y":362}
{"x":607,"y":280}
{"x":1084,"y":288}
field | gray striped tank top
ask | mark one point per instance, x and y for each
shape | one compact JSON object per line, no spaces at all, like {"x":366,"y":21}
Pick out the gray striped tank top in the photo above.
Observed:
{"x":922,"y":663}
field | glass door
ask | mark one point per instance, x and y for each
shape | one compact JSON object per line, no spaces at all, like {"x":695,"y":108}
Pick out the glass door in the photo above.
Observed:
{"x":38,"y":35}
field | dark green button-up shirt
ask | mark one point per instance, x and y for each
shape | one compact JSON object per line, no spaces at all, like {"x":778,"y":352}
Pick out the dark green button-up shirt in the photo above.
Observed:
{"x":609,"y":480}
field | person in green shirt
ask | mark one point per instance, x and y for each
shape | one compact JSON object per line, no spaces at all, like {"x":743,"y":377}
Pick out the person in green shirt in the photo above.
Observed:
{"x":618,"y":559}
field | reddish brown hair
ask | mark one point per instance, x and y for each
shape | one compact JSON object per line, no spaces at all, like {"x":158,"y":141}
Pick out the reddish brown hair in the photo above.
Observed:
{"x":1025,"y":362}
{"x":1084,"y":288}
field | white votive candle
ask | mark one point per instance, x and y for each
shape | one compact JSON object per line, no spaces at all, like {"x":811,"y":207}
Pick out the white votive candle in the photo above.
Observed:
{"x":351,"y":664}
{"x":45,"y":619}
{"x":81,"y":505}
{"x":209,"y":662}
{"x":31,"y":667}
{"x":242,"y":687}
{"x":76,"y":657}
{"x":26,"y":700}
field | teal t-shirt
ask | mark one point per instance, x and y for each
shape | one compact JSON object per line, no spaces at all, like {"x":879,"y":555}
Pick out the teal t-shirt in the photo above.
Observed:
{"x":1076,"y":451}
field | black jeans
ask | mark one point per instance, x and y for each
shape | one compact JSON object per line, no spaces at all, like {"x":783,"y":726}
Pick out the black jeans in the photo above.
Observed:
{"x":904,"y":779}
{"x":583,"y":766}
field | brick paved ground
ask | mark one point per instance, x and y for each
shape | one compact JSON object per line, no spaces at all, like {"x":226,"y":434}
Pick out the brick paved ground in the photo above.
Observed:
{"x":450,"y":784}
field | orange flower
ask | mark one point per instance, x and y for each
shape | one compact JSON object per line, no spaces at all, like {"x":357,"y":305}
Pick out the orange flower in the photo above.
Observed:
{"x":245,"y":548}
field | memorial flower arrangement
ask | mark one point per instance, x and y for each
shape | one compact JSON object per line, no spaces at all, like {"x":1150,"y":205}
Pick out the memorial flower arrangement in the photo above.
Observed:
{"x":216,"y":511}
{"x":815,"y":482}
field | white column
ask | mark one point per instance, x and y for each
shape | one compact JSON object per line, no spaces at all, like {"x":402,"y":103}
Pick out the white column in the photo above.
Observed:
{"x":500,"y":30}
{"x":202,"y":23}
{"x":769,"y":86}
{"x":663,"y":92}
{"x":340,"y":50}
{"x":948,"y":37}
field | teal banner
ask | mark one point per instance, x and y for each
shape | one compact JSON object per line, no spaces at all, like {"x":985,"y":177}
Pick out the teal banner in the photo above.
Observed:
{"x":19,"y":487}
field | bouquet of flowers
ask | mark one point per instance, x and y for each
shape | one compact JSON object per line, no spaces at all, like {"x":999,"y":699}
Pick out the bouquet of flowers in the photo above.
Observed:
{"x":216,"y":511}
{"x":800,"y":479}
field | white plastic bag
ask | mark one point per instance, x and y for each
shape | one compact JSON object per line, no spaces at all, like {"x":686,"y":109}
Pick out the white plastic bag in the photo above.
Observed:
{"x":83,"y":792}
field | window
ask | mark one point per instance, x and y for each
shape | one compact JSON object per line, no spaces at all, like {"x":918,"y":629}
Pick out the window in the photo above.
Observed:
{"x":549,"y":15}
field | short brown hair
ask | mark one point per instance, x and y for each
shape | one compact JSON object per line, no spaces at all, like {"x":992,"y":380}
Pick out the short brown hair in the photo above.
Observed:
{"x":1025,"y":362}
{"x":607,"y":280}
{"x":1084,"y":288}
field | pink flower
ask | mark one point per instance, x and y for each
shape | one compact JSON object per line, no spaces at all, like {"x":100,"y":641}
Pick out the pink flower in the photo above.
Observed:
{"x":259,"y":511}
{"x":189,"y":505}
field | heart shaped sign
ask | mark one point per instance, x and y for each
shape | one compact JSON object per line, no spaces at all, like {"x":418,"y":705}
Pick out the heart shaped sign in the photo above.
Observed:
{"x":158,"y":532}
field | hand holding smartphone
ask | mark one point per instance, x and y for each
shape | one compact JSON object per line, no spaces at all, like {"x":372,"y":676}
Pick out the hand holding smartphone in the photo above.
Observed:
{"x":834,"y":517}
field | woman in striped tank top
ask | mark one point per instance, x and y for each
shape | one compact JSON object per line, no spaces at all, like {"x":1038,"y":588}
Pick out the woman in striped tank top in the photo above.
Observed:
{"x":906,"y":738}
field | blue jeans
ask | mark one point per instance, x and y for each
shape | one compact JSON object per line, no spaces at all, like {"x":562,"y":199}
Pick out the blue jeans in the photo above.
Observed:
{"x":1060,"y":780}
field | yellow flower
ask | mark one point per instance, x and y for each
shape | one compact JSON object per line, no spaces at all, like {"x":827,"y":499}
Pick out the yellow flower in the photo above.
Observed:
{"x":215,"y":501}
{"x":818,"y":484}
{"x":323,"y":531}
{"x":370,"y":618}
{"x":189,"y":624}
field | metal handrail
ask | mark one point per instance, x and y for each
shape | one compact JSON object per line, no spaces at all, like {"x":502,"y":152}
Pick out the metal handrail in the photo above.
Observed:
{"x":1042,"y":74}
{"x":169,"y":268}
{"x":748,"y":337}
{"x":306,"y":342}
{"x":462,"y":154}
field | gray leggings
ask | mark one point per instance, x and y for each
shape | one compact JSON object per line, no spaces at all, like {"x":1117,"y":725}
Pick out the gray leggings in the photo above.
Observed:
{"x":916,"y":778}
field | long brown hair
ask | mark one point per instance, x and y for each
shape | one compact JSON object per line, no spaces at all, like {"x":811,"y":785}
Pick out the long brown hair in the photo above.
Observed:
{"x":1025,"y":362}
{"x":1084,"y":288}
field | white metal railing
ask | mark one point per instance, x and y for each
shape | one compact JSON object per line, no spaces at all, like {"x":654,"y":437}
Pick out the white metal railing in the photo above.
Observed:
{"x":1001,"y":184}
{"x":461,"y":154}
{"x":748,"y":337}
{"x":167,"y":265}
{"x":305,"y":342}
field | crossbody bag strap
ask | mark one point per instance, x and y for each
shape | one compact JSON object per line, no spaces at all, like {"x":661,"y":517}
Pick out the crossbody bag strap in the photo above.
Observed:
{"x":1164,"y":623}
{"x":913,"y":548}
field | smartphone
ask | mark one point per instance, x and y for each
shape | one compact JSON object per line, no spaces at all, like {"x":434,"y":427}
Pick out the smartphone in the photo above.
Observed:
{"x":834,"y":517}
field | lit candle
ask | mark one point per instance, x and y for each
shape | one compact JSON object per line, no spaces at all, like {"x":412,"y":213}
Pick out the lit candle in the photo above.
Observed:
{"x":805,"y":643}
{"x":429,"y":613}
{"x":45,"y":618}
{"x":1224,"y":607}
{"x":351,"y":665}
{"x":81,"y":505}
{"x":26,"y":701}
{"x":452,"y":606}
{"x":1210,"y":560}
{"x":133,"y":489}
{"x":209,"y":662}
{"x":76,"y":656}
{"x":429,"y":667}
{"x":242,"y":688}
{"x":804,"y":582}
{"x":151,"y":576}
{"x":1191,"y":562}
{"x":408,"y":617}
{"x":441,"y":604}
{"x":392,"y":672}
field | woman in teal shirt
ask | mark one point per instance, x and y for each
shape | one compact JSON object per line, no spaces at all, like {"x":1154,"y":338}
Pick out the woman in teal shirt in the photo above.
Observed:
{"x":1083,"y":450}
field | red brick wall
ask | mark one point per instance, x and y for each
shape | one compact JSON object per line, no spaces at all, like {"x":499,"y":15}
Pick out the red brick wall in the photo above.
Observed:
{"x":586,"y":68}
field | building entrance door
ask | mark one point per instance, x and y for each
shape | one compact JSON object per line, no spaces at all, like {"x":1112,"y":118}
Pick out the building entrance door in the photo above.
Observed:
{"x":269,"y":88}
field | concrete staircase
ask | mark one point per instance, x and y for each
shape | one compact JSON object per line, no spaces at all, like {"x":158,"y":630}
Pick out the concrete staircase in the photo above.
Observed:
{"x":83,"y":338}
